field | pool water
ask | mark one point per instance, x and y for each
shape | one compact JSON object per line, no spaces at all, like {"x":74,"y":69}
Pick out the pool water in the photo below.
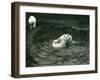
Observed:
{"x":39,"y":50}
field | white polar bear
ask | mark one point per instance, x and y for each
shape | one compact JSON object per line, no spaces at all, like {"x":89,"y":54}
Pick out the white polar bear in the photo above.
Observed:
{"x":32,"y":22}
{"x":62,"y":41}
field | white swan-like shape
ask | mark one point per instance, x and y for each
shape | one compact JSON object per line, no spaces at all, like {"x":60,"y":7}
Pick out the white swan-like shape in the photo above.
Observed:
{"x":62,"y":40}
{"x":32,"y":22}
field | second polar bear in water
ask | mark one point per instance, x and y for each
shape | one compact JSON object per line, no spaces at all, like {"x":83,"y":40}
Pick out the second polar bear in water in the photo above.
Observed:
{"x":63,"y":41}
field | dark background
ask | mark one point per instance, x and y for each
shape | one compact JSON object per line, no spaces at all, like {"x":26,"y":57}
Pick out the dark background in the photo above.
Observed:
{"x":50,"y":27}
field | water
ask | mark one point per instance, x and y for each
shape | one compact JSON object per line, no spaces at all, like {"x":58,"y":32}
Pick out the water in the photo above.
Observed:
{"x":49,"y":27}
{"x":39,"y":50}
